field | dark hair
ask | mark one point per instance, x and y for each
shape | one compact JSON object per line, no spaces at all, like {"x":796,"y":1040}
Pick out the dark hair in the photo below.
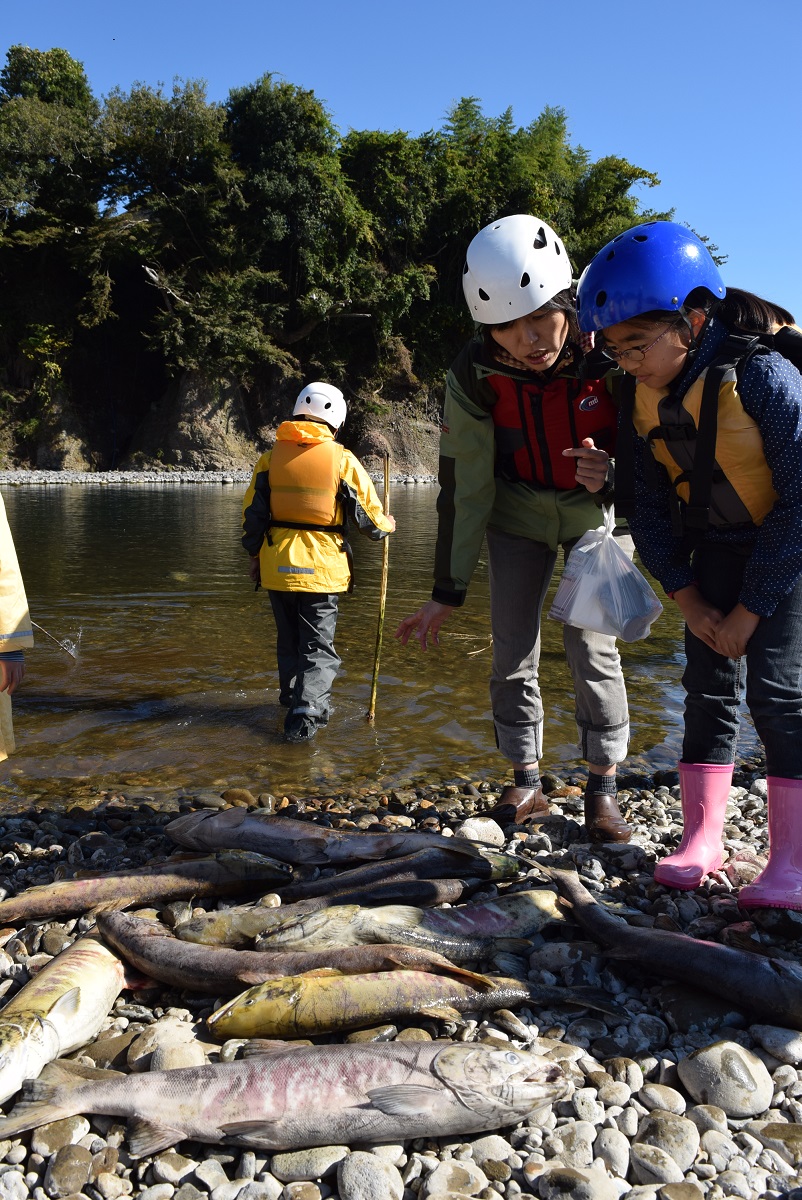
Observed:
{"x":738,"y":310}
{"x":564,"y":302}
{"x":745,"y":310}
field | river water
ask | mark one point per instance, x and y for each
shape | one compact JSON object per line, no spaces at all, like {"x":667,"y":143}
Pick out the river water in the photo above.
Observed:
{"x":174,"y":684}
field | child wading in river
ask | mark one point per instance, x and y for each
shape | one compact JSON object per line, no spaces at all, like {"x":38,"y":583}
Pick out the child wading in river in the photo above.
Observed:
{"x":294,"y":522}
{"x":709,"y":472}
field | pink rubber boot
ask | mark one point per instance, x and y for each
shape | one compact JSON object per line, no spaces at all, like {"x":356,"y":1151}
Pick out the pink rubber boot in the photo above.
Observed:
{"x":705,"y":789}
{"x":779,"y":884}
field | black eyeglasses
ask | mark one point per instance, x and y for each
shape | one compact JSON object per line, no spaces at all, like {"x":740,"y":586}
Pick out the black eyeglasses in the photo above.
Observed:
{"x":636,"y":354}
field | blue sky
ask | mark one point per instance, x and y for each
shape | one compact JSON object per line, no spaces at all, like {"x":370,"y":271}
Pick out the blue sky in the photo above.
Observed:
{"x":705,"y":95}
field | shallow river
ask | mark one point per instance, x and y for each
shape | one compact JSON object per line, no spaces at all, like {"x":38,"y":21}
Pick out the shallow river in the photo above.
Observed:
{"x":174,"y":684}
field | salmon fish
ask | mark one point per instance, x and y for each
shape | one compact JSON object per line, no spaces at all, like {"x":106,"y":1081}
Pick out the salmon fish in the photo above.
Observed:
{"x":302,"y":1096}
{"x":351,"y":925}
{"x":303,"y":841}
{"x":218,"y":970}
{"x":307,"y":1005}
{"x":434,"y":863}
{"x":771,"y":987}
{"x":61,"y":1009}
{"x":229,"y":872}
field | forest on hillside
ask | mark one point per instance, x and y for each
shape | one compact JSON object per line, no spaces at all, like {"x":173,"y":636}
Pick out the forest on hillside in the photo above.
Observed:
{"x":153,"y":237}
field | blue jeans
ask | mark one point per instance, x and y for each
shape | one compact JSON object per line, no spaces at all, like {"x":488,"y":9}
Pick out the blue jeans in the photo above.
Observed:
{"x":773,"y":662}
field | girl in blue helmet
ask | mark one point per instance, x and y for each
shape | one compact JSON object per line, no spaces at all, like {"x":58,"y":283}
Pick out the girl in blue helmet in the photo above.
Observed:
{"x":709,"y":463}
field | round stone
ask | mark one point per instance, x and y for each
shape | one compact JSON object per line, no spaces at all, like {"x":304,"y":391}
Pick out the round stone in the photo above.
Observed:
{"x":728,"y":1075}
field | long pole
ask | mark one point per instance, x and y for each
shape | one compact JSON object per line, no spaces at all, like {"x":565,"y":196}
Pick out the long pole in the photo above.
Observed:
{"x":371,"y":713}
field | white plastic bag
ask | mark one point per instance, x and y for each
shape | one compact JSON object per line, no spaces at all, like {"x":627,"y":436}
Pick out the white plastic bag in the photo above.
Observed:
{"x":602,"y":590}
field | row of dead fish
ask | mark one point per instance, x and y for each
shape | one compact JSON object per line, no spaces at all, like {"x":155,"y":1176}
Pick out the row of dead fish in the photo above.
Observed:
{"x":345,"y":952}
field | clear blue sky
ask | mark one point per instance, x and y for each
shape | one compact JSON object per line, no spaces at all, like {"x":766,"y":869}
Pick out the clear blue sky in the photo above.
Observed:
{"x":706,"y":95}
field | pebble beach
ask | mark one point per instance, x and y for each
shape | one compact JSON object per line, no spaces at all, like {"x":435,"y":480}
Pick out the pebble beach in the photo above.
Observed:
{"x":687,"y":1096}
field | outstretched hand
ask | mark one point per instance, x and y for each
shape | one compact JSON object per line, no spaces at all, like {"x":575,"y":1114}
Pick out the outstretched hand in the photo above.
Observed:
{"x":425,"y":622}
{"x":591,"y":464}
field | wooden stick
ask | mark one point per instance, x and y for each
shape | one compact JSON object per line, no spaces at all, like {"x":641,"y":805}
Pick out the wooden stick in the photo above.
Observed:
{"x":371,"y":713}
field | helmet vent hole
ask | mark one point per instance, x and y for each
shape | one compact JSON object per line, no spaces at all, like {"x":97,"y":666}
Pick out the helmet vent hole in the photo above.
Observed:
{"x":483,"y":294}
{"x":601,"y":299}
{"x":540,"y":239}
{"x":525,"y":280}
{"x":641,"y":237}
{"x":465,"y":269}
{"x":557,"y":247}
{"x":611,"y":255}
{"x":327,"y":404}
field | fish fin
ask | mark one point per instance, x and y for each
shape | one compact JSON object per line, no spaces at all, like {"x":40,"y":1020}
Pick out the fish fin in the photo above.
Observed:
{"x":438,"y":965}
{"x":259,"y":1046}
{"x":405,"y":1099}
{"x":146,"y":1137}
{"x":66,"y":1072}
{"x":66,"y":1005}
{"x":254,"y":1131}
{"x":513,"y":945}
{"x":29,"y":1115}
{"x":444,"y":1011}
{"x":404,"y":915}
{"x":583,"y":997}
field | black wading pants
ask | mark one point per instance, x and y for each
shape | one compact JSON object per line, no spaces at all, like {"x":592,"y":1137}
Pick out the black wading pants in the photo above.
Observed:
{"x":307,"y":660}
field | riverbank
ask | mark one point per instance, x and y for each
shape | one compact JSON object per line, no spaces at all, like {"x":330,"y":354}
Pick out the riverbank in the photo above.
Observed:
{"x":645,"y":1121}
{"x":140,"y":478}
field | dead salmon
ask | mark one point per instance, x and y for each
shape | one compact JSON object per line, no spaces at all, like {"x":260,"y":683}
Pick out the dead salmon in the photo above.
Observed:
{"x":62,"y":1008}
{"x":304,"y":841}
{"x":434,"y":863}
{"x":218,"y":970}
{"x":403,"y":924}
{"x":307,"y":1005}
{"x":240,"y":924}
{"x":307,"y":1096}
{"x":771,"y":987}
{"x":229,"y":872}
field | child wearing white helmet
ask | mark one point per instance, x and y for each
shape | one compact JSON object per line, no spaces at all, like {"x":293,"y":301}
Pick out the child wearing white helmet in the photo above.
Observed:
{"x":295,"y":528}
{"x":709,"y":468}
{"x":519,"y":393}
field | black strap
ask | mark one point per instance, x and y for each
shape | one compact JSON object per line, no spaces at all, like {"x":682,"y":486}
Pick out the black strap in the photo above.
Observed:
{"x":624,"y":491}
{"x":342,"y":529}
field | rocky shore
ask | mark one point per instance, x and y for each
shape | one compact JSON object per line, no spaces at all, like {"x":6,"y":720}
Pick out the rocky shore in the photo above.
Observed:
{"x":140,"y":478}
{"x":687,"y":1096}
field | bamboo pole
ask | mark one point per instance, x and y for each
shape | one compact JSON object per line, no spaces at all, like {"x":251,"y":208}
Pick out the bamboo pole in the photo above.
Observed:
{"x":371,"y":713}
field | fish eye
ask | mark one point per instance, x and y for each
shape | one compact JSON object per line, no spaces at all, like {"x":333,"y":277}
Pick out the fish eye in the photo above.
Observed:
{"x":511,"y":1058}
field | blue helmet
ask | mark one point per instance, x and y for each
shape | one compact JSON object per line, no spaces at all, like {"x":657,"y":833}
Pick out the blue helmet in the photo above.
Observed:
{"x":651,"y":267}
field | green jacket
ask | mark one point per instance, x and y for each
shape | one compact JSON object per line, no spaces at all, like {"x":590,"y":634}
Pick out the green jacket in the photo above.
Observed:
{"x":474,"y":496}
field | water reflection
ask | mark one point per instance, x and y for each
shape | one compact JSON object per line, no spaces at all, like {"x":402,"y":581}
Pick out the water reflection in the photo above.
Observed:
{"x":174,"y":684}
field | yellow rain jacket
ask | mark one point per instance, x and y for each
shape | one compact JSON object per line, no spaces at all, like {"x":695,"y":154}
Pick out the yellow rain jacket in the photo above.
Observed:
{"x":308,"y":479}
{"x":15,"y":622}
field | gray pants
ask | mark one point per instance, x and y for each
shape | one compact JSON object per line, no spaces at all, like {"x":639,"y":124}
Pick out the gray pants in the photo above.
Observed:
{"x":520,"y":573}
{"x":307,"y":660}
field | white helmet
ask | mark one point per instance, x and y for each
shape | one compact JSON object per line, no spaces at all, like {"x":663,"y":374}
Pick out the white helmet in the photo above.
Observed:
{"x":513,"y":267}
{"x":323,"y":401}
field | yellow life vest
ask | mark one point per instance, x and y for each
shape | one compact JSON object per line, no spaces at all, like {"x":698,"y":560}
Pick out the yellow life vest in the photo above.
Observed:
{"x":741,"y":489}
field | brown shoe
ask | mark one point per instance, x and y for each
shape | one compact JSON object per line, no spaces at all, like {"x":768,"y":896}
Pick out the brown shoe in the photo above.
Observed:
{"x":516,"y":804}
{"x":603,"y":819}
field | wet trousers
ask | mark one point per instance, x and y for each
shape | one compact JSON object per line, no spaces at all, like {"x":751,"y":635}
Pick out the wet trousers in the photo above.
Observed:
{"x":520,"y":573}
{"x":307,"y":660}
{"x":772,"y":666}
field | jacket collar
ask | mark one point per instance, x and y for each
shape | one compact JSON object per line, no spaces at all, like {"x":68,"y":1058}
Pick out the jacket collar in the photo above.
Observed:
{"x":306,"y":432}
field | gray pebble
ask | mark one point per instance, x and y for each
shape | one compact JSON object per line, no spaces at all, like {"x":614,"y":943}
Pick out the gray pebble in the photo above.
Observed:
{"x":728,"y":1075}
{"x":363,"y":1176}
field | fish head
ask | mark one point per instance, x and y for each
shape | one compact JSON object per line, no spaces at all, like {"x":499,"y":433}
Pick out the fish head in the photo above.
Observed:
{"x":504,"y":1083}
{"x":248,"y":864}
{"x":27,"y":1042}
